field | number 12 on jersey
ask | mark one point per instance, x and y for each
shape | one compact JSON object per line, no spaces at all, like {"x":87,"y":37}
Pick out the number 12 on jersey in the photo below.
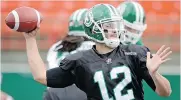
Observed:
{"x":99,"y":78}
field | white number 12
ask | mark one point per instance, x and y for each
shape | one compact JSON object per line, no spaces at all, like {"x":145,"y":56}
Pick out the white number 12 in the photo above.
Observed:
{"x":99,"y":78}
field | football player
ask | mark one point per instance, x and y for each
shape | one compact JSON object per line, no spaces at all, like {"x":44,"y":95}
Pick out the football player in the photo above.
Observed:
{"x":134,"y":20}
{"x":72,"y":43}
{"x":108,"y":71}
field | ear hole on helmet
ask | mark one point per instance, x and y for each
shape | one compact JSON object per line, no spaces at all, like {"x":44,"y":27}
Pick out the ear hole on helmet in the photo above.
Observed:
{"x":105,"y":31}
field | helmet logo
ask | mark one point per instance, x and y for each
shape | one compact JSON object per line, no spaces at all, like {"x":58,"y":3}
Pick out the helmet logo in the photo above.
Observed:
{"x":88,"y":19}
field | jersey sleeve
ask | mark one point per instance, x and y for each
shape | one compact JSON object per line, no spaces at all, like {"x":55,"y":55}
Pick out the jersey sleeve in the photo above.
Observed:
{"x":47,"y":95}
{"x":143,"y":70}
{"x":61,"y":76}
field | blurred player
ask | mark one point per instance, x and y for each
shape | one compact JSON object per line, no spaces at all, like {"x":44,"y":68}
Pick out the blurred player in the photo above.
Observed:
{"x":134,"y":20}
{"x":72,"y":43}
{"x":108,"y":71}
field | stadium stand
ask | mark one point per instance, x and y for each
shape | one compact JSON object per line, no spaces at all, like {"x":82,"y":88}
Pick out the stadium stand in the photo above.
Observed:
{"x":162,"y":20}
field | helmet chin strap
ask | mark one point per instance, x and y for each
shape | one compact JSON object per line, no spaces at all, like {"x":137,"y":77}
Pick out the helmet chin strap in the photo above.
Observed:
{"x":112,"y":43}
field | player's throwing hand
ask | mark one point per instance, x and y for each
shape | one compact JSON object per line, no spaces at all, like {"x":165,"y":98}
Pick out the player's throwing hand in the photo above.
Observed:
{"x":31,"y":34}
{"x":160,"y":57}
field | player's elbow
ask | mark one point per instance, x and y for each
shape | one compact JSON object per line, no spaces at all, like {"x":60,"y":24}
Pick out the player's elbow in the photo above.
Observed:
{"x":165,"y":93}
{"x":40,"y":79}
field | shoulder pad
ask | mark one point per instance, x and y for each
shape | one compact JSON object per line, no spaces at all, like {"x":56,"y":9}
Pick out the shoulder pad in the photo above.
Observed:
{"x":71,"y":60}
{"x":135,"y":49}
{"x":75,"y":56}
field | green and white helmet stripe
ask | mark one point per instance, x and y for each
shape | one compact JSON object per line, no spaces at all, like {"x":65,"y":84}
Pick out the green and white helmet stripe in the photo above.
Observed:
{"x":76,"y":23}
{"x":133,"y":15}
{"x":112,"y":10}
{"x":139,"y":12}
{"x":78,"y":14}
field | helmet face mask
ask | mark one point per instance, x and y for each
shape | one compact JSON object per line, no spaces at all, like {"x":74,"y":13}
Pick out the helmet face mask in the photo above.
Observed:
{"x":102,"y":24}
{"x":111,"y":30}
{"x":131,"y":36}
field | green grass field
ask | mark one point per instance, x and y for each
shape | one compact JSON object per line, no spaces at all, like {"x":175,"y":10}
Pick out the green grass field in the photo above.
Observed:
{"x":23,"y":87}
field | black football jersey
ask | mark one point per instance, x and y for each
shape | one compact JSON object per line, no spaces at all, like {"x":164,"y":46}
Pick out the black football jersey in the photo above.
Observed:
{"x":117,"y":75}
{"x":67,"y":93}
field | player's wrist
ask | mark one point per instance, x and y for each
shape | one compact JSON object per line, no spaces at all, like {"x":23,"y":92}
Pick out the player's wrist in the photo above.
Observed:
{"x":30,"y":39}
{"x":154,"y":75}
{"x":27,"y":37}
{"x":32,"y":34}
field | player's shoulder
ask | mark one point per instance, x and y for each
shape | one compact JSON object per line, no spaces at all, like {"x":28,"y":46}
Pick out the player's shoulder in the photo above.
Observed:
{"x":79,"y":56}
{"x":135,"y":49}
{"x":74,"y":56}
{"x":138,"y":48}
{"x":86,"y":45}
{"x":75,"y":59}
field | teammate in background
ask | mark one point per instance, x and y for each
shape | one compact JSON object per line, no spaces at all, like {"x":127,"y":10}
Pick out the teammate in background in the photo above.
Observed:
{"x":134,"y":20}
{"x":108,"y":71}
{"x":72,"y":43}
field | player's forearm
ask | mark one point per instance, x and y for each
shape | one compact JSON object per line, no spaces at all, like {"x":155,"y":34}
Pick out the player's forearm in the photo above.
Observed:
{"x":37,"y":65}
{"x":163,"y":87}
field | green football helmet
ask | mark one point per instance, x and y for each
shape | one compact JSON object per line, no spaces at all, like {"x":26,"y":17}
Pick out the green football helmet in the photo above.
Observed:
{"x":134,"y":20}
{"x":100,"y":21}
{"x":76,"y":27}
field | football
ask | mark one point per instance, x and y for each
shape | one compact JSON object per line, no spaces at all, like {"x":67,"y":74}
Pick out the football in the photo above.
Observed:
{"x":23,"y":19}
